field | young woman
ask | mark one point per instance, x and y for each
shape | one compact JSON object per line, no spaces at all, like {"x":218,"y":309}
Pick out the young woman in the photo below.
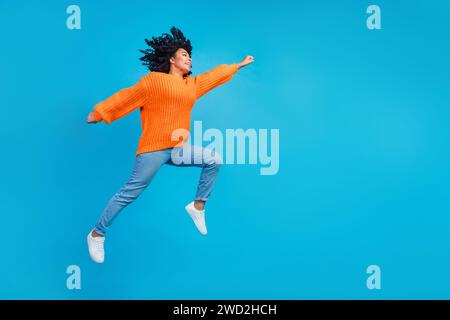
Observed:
{"x":165,"y":98}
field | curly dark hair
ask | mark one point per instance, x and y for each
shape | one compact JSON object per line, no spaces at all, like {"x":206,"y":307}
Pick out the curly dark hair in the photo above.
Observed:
{"x":156,"y":58}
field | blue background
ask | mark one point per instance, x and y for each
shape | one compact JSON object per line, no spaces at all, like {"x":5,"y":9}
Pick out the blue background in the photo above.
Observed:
{"x":364,"y":152}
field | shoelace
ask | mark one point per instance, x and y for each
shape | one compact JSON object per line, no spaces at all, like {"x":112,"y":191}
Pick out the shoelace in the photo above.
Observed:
{"x":199,"y":217}
{"x":98,"y":243}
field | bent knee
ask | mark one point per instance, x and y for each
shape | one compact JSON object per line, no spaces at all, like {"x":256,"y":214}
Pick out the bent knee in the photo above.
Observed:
{"x":213,"y":158}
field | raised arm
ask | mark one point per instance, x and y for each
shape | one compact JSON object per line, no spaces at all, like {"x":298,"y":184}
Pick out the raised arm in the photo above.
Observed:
{"x":219,"y":75}
{"x":120,"y":104}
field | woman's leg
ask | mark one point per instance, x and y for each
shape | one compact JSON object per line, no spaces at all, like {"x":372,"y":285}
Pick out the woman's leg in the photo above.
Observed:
{"x":188,"y":156}
{"x":145,"y":168}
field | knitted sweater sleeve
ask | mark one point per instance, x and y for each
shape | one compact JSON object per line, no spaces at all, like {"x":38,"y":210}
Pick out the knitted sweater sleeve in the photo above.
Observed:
{"x":121,"y":103}
{"x":215,"y":77}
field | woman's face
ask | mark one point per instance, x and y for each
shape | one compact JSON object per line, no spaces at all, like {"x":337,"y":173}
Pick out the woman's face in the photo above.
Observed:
{"x":182,"y":61}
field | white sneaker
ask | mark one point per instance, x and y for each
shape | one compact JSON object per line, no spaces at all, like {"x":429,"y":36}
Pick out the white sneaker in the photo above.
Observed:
{"x":96,"y":248}
{"x":198,"y":217}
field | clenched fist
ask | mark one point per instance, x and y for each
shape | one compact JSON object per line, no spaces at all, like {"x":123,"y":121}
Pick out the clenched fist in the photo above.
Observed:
{"x":246,"y":61}
{"x":91,"y":118}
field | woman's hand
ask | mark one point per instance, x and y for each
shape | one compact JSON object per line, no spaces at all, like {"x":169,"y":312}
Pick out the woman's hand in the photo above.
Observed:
{"x":91,"y":118}
{"x":247,"y":60}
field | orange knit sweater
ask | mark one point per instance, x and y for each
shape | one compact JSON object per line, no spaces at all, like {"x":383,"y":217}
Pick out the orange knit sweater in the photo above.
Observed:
{"x":165,"y":103}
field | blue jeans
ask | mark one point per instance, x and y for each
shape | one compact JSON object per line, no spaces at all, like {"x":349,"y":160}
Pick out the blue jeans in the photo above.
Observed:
{"x":145,"y":168}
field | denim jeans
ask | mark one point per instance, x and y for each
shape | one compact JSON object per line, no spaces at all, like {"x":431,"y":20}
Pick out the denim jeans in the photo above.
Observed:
{"x":145,"y":168}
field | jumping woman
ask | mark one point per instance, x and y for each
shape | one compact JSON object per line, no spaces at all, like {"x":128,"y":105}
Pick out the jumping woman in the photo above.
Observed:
{"x":165,"y":97}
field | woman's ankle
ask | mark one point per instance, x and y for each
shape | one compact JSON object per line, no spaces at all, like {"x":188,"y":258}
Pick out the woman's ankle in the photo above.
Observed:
{"x":96,"y":234}
{"x":199,"y":205}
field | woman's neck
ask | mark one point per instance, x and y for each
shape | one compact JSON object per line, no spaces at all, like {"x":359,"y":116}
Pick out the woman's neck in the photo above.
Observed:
{"x":176,"y":72}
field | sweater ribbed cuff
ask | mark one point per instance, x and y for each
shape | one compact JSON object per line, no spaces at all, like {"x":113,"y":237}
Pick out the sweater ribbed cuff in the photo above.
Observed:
{"x":235,"y":67}
{"x":103,"y":115}
{"x":97,"y":116}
